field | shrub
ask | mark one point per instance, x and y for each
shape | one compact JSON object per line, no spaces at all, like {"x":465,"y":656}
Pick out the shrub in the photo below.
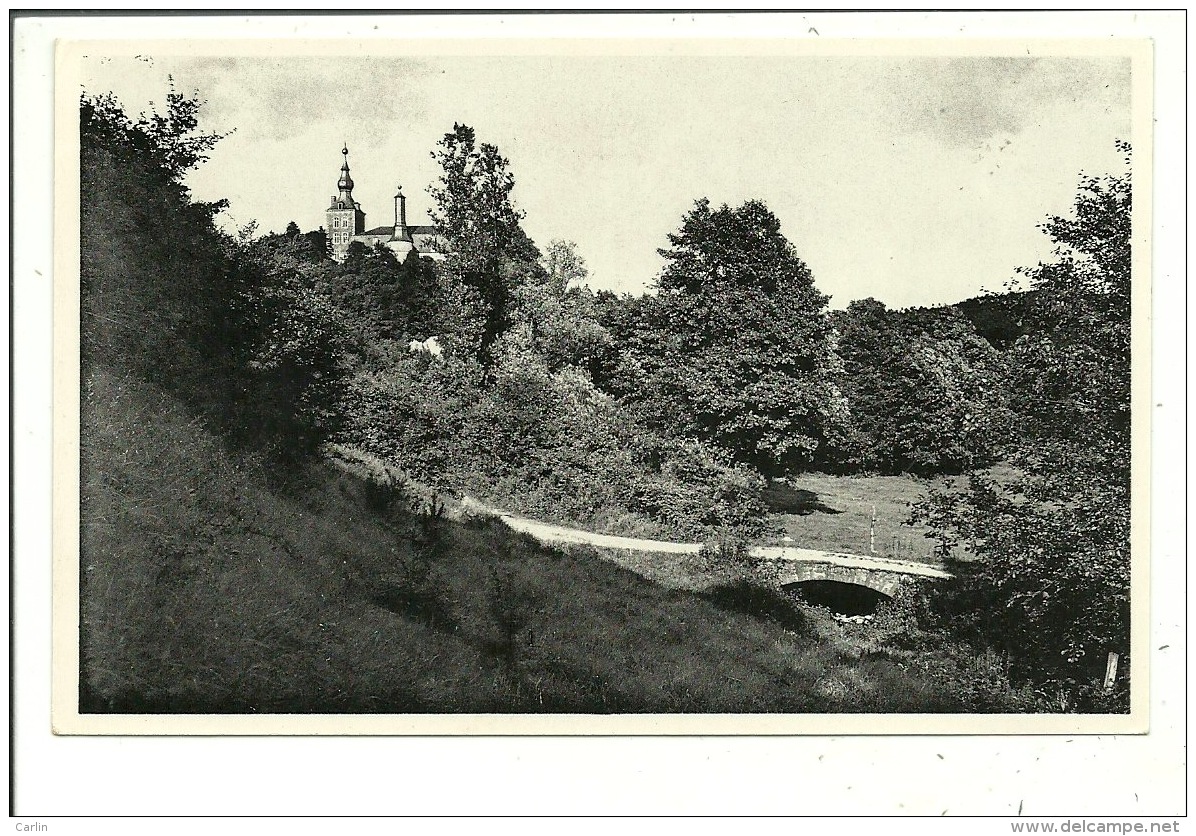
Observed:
{"x":1048,"y":553}
{"x":697,"y":492}
{"x":236,"y":332}
{"x":979,"y":679}
{"x":545,"y":444}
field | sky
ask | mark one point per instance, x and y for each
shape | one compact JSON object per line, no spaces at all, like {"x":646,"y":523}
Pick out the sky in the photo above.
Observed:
{"x":915,"y":180}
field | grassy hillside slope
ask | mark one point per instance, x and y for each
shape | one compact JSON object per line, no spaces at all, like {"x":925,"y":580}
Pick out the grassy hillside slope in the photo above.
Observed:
{"x":211,"y":586}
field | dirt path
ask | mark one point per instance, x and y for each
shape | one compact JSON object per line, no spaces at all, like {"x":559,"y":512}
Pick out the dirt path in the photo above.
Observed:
{"x":558,"y":534}
{"x":548,"y":533}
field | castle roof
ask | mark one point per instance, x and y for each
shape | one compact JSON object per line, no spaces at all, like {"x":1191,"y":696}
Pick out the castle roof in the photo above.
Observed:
{"x":390,"y":230}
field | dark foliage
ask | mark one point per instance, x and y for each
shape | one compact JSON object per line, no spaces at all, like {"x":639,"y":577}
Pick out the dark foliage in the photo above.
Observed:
{"x":384,"y":297}
{"x":1047,"y":577}
{"x":479,"y":227}
{"x":236,"y":331}
{"x":735,"y":348}
{"x":999,"y":317}
{"x":925,"y":392}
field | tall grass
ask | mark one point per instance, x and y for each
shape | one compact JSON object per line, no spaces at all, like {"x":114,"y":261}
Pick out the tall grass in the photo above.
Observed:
{"x":210,"y":584}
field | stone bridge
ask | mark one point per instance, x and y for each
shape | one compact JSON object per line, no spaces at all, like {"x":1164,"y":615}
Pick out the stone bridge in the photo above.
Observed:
{"x":777,"y":565}
{"x":787,"y":566}
{"x":886,"y":583}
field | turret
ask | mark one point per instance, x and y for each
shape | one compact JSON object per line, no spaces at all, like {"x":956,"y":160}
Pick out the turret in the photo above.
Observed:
{"x":401,"y":231}
{"x":345,"y":218}
{"x":344,"y":198}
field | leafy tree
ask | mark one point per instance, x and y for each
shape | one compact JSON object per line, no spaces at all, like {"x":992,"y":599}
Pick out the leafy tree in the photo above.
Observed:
{"x":555,"y":316}
{"x":924,"y":390}
{"x":735,"y":347}
{"x":387,"y":298}
{"x":229,"y":326}
{"x":168,"y":139}
{"x":308,"y":247}
{"x":1048,"y":551}
{"x":480,"y":228}
{"x":155,"y":277}
{"x":301,"y":359}
{"x":564,"y":266}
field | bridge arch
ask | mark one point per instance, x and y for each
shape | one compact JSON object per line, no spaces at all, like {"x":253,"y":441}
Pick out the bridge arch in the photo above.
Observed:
{"x":885,"y":583}
{"x":838,"y":597}
{"x":843,"y":589}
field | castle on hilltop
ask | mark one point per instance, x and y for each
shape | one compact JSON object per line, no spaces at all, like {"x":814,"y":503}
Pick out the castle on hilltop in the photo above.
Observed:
{"x":346,"y":224}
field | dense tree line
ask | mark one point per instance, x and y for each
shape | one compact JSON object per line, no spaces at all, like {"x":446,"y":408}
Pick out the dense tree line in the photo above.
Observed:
{"x":734,"y":347}
{"x":923,"y":389}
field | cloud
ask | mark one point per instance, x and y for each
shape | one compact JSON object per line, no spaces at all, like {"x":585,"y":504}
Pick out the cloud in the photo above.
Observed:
{"x":281,"y":97}
{"x":967,"y":101}
{"x":912,"y":179}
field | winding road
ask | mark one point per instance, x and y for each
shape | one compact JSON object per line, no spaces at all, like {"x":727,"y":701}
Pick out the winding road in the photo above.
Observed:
{"x":557,"y":534}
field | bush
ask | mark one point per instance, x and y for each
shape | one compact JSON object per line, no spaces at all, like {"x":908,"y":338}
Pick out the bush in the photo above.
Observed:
{"x":545,"y":444}
{"x":697,"y":492}
{"x":1048,"y":553}
{"x":978,"y":678}
{"x":924,"y":391}
{"x":236,"y":332}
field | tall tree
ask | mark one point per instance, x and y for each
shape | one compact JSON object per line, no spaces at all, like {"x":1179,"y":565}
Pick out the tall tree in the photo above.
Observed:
{"x":480,"y":227}
{"x":1047,"y":575}
{"x":923,"y":389}
{"x":555,"y":315}
{"x":155,"y":279}
{"x":735,"y":348}
{"x":232,"y":328}
{"x":564,"y":266}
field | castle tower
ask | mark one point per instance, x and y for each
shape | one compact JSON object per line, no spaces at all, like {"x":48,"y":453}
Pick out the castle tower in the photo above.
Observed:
{"x":344,"y":215}
{"x":401,"y":243}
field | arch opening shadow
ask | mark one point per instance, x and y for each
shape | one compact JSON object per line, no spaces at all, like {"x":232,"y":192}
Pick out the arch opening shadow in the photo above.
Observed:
{"x":840,"y":597}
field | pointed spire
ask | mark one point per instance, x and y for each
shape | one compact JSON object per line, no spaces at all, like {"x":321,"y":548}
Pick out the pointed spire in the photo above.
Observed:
{"x":345,"y":184}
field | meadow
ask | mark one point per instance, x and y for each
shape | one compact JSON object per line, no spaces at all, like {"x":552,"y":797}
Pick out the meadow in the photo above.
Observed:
{"x":853,"y":514}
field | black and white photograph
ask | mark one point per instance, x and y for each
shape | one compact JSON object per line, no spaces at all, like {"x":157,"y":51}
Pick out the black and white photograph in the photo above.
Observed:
{"x":605,"y":382}
{"x":667,"y":379}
